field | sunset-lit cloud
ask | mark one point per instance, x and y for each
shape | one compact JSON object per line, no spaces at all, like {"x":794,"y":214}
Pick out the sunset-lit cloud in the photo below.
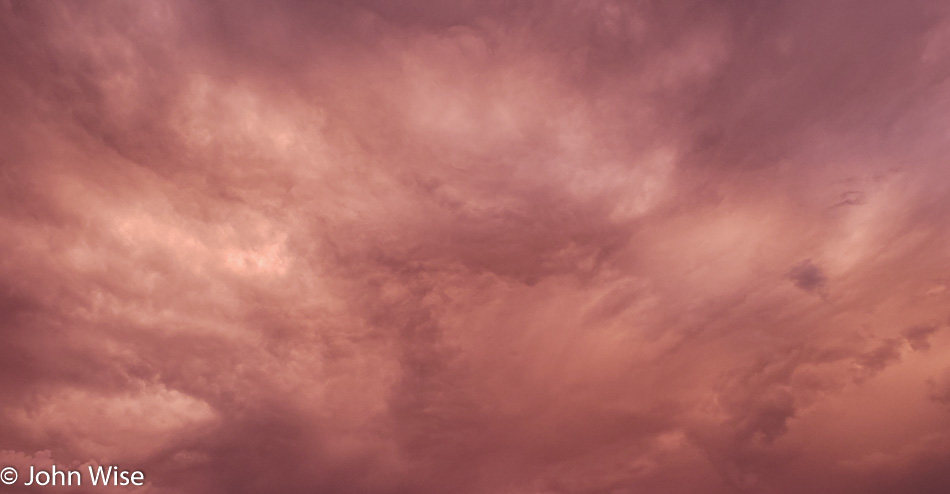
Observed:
{"x":477,"y":247}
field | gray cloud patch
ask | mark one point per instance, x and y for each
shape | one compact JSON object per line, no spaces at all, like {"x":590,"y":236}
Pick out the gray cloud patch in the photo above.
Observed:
{"x":808,"y":276}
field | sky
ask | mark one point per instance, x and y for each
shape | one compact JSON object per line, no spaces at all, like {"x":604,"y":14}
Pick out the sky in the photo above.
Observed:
{"x":500,"y":247}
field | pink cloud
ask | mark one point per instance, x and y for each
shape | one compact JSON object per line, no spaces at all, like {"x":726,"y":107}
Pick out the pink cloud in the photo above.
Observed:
{"x":479,"y":247}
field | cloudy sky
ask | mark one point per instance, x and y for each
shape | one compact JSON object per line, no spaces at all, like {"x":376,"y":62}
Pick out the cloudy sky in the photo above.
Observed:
{"x":500,"y":247}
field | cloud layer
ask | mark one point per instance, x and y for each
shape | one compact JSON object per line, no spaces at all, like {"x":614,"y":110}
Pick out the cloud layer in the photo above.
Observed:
{"x":478,"y":247}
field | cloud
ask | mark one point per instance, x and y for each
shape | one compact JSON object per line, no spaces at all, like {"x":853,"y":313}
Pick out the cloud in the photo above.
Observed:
{"x":919,"y":336}
{"x":808,"y":276}
{"x":481,"y":247}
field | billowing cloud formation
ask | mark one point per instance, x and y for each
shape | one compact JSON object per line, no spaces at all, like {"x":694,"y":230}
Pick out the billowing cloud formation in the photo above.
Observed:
{"x":478,"y":247}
